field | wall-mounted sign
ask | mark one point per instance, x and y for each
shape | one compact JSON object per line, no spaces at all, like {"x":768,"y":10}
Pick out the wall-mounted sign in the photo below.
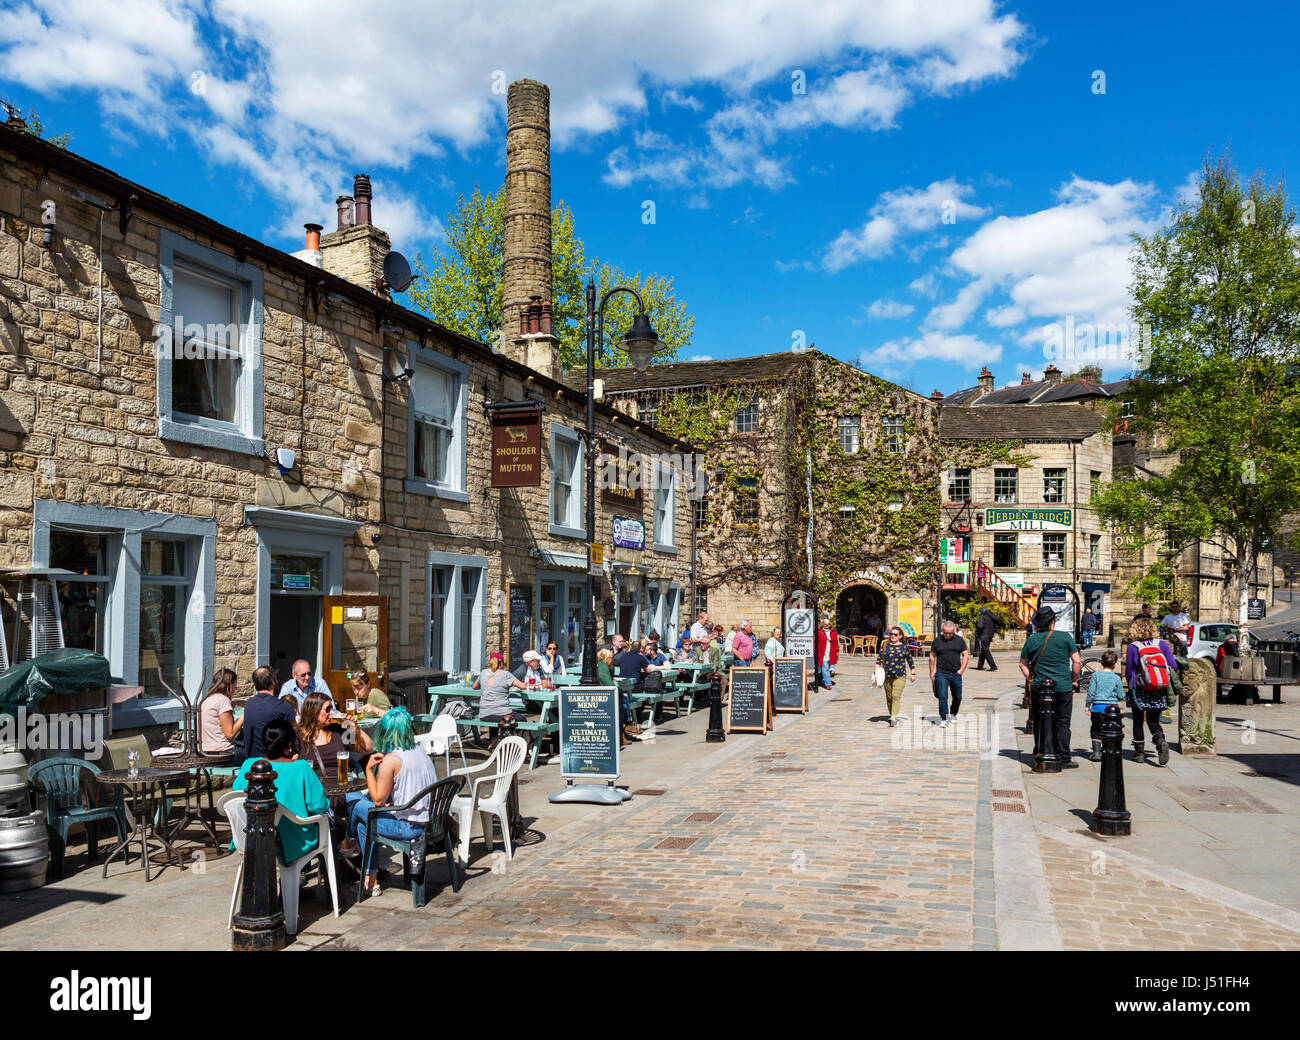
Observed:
{"x":1031,"y":539}
{"x":517,"y":448}
{"x":869,"y":577}
{"x":296,"y":581}
{"x":1256,"y":609}
{"x":629,"y":533}
{"x":909,"y":613}
{"x":620,"y":479}
{"x":597,"y":554}
{"x":999,"y":518}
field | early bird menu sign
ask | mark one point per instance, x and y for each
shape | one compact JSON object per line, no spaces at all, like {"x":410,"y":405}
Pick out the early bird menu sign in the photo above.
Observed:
{"x":589,"y":732}
{"x":748,"y":711}
{"x":517,"y":448}
{"x":790,"y":684}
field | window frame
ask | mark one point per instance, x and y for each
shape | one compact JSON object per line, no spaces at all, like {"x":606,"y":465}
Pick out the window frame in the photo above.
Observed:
{"x":1048,"y":482}
{"x":851,"y":423}
{"x":954,"y":481}
{"x":750,"y":414}
{"x":453,"y":634}
{"x":1094,"y":551}
{"x":244,"y":436}
{"x":1048,"y":556}
{"x":895,"y":443}
{"x":999,"y":473}
{"x":1003,"y":540}
{"x":574,"y":525}
{"x":745,"y":493}
{"x":454,"y":487}
{"x":665,"y":493}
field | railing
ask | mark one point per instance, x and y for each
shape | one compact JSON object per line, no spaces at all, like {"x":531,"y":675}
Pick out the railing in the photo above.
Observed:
{"x":993,"y":586}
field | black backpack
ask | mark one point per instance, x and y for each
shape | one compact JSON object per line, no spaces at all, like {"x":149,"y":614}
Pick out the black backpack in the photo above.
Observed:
{"x":653,"y":682}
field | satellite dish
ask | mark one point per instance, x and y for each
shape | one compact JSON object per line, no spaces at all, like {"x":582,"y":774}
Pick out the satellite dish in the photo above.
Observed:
{"x":397,"y":272}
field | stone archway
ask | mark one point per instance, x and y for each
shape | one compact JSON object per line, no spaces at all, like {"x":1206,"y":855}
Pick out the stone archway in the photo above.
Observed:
{"x":855,"y":604}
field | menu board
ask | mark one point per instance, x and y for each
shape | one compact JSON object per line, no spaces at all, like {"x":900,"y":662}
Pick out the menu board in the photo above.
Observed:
{"x":748,"y":710}
{"x":521,"y":623}
{"x":790,"y":684}
{"x":589,"y":732}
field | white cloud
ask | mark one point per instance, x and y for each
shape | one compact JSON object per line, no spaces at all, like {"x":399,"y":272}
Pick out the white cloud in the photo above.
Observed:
{"x":1002,"y":317}
{"x":700,"y":357}
{"x":964,"y":351}
{"x":899,"y":212}
{"x":926,"y":285}
{"x":955,"y":314}
{"x":673,"y":98}
{"x":889,"y":309}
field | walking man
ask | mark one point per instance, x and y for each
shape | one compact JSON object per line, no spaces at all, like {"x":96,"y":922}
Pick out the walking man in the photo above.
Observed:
{"x":949,"y":656}
{"x":986,"y":627}
{"x":1088,"y":626}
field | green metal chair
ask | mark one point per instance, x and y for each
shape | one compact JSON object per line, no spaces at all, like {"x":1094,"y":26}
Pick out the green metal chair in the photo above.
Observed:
{"x":60,"y":781}
{"x":415,"y":850}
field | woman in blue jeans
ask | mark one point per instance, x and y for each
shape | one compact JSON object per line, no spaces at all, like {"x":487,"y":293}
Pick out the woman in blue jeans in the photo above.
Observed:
{"x":395,"y":773}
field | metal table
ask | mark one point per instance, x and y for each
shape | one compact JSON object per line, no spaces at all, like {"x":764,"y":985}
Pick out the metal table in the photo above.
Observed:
{"x":197,"y":768}
{"x":144,"y":788}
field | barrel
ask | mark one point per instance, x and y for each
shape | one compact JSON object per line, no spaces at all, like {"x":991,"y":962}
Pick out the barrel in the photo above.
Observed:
{"x":24,"y":851}
{"x":13,"y":779}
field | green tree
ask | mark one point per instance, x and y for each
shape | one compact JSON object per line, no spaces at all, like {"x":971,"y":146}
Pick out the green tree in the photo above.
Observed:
{"x":461,"y":287}
{"x":1218,"y":291}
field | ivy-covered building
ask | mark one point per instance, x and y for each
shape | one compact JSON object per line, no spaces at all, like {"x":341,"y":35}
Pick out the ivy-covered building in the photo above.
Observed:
{"x":821,"y":477}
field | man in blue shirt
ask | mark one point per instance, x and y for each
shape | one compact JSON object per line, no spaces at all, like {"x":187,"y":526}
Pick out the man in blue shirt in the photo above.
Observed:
{"x":303,"y":683}
{"x":261,"y":708}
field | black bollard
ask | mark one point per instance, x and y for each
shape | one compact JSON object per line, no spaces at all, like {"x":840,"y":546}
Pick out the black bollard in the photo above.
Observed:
{"x":259,"y":925}
{"x":1111,"y":817}
{"x":716,"y":734}
{"x":1045,"y":760}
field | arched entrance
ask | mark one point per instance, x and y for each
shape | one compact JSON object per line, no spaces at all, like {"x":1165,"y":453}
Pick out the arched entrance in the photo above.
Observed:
{"x":856,"y":605}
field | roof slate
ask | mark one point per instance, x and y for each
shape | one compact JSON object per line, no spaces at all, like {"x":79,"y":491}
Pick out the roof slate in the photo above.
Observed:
{"x":1046,"y":422}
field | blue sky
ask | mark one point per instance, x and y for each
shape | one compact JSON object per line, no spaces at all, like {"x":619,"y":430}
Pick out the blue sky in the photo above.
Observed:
{"x":919,"y":186}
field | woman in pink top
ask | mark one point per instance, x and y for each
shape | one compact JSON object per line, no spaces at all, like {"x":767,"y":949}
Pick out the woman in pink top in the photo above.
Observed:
{"x":217,"y":722}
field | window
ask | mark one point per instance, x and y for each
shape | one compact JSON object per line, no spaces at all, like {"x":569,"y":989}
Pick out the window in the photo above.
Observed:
{"x":665,"y":509}
{"x":1054,"y":550}
{"x":456,"y":611}
{"x":82,"y":599}
{"x":701,"y":506}
{"x":895,"y":502}
{"x":1054,"y":485}
{"x":849,"y":427}
{"x":209,"y":347}
{"x":701,"y":598}
{"x":1094,"y":483}
{"x":747,"y":500}
{"x":566,"y":483}
{"x":847,"y":513}
{"x":437,"y":426}
{"x":959,"y":485}
{"x":747,"y":418}
{"x":1004,"y":551}
{"x":1126,"y":409}
{"x":1094,"y":550}
{"x":648,"y":407}
{"x":893,"y":435}
{"x":1004,"y":485}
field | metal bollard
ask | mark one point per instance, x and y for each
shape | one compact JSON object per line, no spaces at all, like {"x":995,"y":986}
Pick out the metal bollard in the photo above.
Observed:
{"x":259,"y":925}
{"x":1111,"y":817}
{"x":1045,"y":760}
{"x":716,"y":734}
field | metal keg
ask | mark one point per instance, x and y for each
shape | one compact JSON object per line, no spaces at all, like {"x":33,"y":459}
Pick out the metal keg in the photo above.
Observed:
{"x":24,"y":851}
{"x":13,"y":779}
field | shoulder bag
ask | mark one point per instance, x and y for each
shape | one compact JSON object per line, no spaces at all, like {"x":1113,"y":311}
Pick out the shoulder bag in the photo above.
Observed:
{"x":1033,"y":668}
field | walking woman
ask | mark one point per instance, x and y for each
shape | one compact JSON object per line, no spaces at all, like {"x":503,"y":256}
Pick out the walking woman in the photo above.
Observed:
{"x":896,"y":659}
{"x":1149,"y":666}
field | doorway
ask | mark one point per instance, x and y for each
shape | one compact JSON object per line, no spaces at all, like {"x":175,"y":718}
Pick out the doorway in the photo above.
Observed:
{"x":856,"y":607}
{"x":295,"y":632}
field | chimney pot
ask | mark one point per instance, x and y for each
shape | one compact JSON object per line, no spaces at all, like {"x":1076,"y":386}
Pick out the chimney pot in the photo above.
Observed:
{"x":361,"y":190}
{"x":1025,"y":378}
{"x":313,"y":235}
{"x":344,"y":205}
{"x":937,"y":395}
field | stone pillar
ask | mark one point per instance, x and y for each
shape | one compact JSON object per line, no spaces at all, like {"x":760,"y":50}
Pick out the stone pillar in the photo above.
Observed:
{"x":1196,"y":708}
{"x":526,"y":231}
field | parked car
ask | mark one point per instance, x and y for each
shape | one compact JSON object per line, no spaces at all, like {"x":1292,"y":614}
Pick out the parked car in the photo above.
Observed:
{"x":1205,"y":638}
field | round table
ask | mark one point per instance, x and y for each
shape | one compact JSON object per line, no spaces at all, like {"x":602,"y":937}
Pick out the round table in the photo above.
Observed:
{"x":192,"y":761}
{"x":144,"y":788}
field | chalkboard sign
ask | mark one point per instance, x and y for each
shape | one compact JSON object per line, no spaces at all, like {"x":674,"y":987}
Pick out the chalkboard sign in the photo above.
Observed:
{"x":748,"y":711}
{"x":790,"y":684}
{"x":1255,"y":609}
{"x":589,"y":732}
{"x":521,"y":623}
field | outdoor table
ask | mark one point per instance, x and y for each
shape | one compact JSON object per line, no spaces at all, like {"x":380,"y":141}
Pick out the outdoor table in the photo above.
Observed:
{"x":143,"y":789}
{"x":547,"y":725}
{"x":195,"y":766}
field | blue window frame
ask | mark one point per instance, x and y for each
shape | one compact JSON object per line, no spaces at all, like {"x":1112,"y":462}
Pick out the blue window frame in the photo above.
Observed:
{"x":567,"y":468}
{"x":436,"y":426}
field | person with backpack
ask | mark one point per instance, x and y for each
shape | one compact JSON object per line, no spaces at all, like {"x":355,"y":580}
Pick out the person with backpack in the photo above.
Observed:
{"x":1054,"y":655}
{"x":1149,"y":666}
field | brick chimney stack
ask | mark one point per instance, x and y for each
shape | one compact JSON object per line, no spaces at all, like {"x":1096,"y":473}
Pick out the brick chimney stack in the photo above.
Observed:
{"x":1025,"y":379}
{"x":985,"y":381}
{"x":1052,"y":374}
{"x":526,"y":262}
{"x":356,"y":250}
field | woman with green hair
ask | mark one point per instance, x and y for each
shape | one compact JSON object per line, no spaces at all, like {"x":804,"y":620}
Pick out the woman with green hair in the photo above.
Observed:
{"x":395,"y":773}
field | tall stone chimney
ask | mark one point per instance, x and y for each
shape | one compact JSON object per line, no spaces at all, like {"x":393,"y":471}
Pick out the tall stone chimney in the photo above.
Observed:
{"x":526,"y":262}
{"x":356,"y":251}
{"x":985,"y":381}
{"x":1052,"y":374}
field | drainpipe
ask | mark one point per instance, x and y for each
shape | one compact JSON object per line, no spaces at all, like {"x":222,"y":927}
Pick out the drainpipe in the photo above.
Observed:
{"x":810,"y":518}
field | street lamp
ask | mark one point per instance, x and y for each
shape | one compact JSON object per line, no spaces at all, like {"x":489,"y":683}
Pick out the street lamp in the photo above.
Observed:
{"x":640,"y":342}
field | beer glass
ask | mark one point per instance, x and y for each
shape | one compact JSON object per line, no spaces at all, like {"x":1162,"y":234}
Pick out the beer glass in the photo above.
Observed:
{"x":341,"y":758}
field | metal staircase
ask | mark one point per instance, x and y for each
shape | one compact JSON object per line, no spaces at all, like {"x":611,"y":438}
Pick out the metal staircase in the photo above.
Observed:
{"x":991,"y":586}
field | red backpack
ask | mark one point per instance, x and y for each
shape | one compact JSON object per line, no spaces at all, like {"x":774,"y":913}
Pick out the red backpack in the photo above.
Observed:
{"x":1152,"y":666}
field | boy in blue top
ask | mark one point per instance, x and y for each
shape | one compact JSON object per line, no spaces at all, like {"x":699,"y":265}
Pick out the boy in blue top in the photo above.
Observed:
{"x":1104,"y":689}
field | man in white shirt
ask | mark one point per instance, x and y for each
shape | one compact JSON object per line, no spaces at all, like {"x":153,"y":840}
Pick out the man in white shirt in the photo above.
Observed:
{"x":729,"y":646}
{"x":700,"y":630}
{"x":1177,"y":622}
{"x":303,"y":683}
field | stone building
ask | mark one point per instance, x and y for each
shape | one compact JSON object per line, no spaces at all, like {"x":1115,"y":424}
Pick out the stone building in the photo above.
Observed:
{"x":243,"y":456}
{"x":821,"y":477}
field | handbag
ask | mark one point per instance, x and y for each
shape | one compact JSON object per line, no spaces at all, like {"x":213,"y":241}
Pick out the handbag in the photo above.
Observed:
{"x":878,"y":677}
{"x":1033,"y":668}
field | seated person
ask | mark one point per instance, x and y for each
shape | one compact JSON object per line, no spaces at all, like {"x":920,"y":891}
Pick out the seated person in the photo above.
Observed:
{"x":261,"y":708}
{"x":217,"y":723}
{"x":530,"y":669}
{"x":372,"y":702}
{"x":632,"y":664}
{"x":395,"y":774}
{"x":652,"y":652}
{"x":496,"y":684}
{"x":551,"y":663}
{"x":605,"y":677}
{"x":297,"y":788}
{"x":302,"y":683}
{"x":323,"y":739}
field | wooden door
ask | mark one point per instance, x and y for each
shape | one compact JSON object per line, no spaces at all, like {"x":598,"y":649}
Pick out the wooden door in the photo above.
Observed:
{"x":354,"y":636}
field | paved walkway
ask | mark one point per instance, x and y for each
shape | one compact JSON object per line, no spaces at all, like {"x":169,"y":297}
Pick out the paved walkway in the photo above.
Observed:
{"x":834,"y":831}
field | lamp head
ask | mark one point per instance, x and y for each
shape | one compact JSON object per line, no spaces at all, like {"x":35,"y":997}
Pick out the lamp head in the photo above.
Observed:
{"x":641,"y":343}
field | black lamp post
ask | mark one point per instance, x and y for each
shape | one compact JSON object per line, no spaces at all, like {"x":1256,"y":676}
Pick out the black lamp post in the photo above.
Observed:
{"x":640,"y":342}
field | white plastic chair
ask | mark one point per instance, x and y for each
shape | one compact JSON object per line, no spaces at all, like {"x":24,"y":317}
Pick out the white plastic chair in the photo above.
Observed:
{"x":438,"y":741}
{"x":499,"y":771}
{"x":291,"y":875}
